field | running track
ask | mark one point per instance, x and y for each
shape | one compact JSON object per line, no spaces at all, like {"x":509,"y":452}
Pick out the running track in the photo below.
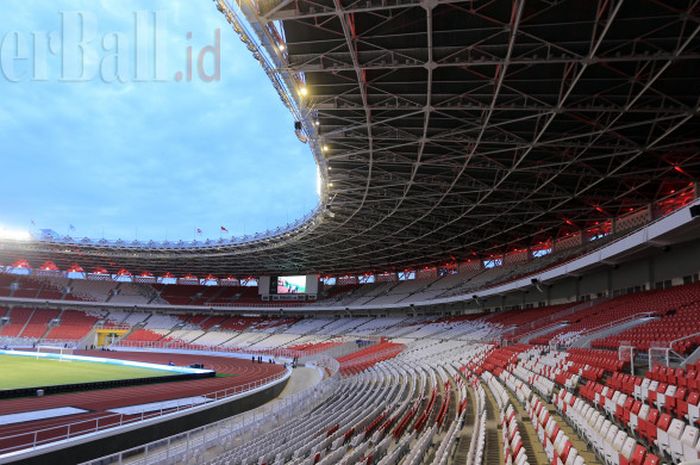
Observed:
{"x":98,"y":401}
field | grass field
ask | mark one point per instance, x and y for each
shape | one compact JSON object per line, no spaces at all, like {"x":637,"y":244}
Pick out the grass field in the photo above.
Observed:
{"x":22,"y":372}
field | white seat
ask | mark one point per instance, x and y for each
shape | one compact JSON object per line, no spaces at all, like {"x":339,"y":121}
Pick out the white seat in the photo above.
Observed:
{"x":604,"y":429}
{"x":573,"y":453}
{"x":641,"y":389}
{"x":693,"y":413}
{"x":675,"y":432}
{"x":621,"y":399}
{"x":644,"y":411}
{"x":619,"y":441}
{"x":628,"y":448}
{"x":689,"y":440}
{"x":612,"y":432}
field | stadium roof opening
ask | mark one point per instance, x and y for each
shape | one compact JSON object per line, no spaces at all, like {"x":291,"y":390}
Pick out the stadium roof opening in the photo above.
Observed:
{"x":132,"y":140}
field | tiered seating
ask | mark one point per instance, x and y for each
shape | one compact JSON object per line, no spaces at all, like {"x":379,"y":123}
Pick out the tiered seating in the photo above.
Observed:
{"x":672,"y":437}
{"x":597,"y":361}
{"x":364,"y":358}
{"x":556,"y":443}
{"x":681,"y":318}
{"x":521,"y":321}
{"x":238,"y":323}
{"x":399,"y":410}
{"x":239,"y":296}
{"x":680,"y":400}
{"x":684,"y":377}
{"x":18,"y":318}
{"x":609,"y":441}
{"x":314,"y":347}
{"x":157,"y":321}
{"x":513,"y":447}
{"x":6,"y":284}
{"x":186,"y":294}
{"x":656,"y":302}
{"x":502,"y":357}
{"x":143,"y":335}
{"x":74,"y":326}
{"x":38,"y":323}
{"x":96,"y":291}
{"x":26,"y":287}
{"x":131,"y":293}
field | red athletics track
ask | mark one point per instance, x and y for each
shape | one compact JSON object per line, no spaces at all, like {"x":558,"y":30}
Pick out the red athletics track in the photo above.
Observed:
{"x":21,"y":435}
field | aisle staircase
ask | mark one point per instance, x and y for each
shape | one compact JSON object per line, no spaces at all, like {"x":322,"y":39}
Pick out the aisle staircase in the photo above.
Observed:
{"x":581,"y":446}
{"x":533,"y":447}
{"x":493,"y":450}
{"x":465,"y":436}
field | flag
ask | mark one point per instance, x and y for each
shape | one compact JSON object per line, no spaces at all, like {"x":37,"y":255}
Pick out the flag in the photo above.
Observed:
{"x":71,"y":227}
{"x":223,"y":229}
{"x":199,"y":231}
{"x":33,"y":223}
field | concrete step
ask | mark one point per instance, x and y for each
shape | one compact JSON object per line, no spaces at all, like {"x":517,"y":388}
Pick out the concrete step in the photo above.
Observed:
{"x":581,"y":446}
{"x":535,"y":451}
{"x":493,"y":452}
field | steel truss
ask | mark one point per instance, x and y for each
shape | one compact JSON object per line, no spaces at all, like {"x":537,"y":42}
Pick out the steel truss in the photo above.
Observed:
{"x":462,"y":127}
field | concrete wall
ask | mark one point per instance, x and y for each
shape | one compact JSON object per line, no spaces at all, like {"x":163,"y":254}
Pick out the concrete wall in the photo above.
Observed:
{"x":135,"y":437}
{"x":658,"y":265}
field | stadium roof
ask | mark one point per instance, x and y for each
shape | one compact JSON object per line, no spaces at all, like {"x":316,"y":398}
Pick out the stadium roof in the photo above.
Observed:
{"x":447,"y":128}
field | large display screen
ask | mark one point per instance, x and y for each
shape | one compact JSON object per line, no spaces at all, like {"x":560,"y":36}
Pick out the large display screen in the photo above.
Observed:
{"x":291,"y":284}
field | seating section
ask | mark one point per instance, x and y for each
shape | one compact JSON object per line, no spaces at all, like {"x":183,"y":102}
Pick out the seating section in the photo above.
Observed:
{"x":625,"y":419}
{"x":144,"y":335}
{"x":430,"y":285}
{"x":364,"y":358}
{"x":679,"y":318}
{"x":73,"y":326}
{"x":674,"y":306}
{"x":18,"y":318}
{"x":38,"y":324}
{"x":400,"y":410}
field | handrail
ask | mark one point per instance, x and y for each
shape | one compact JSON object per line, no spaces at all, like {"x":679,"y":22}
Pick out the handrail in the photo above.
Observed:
{"x":617,"y":322}
{"x":189,"y":443}
{"x":120,"y":419}
{"x":278,"y":352}
{"x":670,"y":344}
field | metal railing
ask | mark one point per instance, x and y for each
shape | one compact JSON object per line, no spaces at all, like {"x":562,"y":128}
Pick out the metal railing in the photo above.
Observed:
{"x":190,"y":446}
{"x":179,"y":345}
{"x":39,"y":437}
{"x":689,"y":336}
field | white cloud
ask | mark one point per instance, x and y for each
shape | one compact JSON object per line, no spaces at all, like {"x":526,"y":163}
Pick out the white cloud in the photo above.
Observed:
{"x":157,"y":156}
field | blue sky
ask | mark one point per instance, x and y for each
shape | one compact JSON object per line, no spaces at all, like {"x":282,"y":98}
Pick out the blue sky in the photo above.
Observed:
{"x":148,"y":159}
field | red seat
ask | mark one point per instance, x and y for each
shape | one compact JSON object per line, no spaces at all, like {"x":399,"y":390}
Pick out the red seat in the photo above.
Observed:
{"x":651,"y":459}
{"x":638,"y":455}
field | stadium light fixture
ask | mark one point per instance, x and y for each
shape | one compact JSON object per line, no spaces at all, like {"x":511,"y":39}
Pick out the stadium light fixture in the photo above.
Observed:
{"x":14,"y":234}
{"x":319,"y":182}
{"x":324,"y":148}
{"x":303,"y":91}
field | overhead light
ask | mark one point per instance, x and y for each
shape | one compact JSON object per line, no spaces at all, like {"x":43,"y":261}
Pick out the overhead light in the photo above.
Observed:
{"x":324,"y":148}
{"x":283,"y":47}
{"x":303,"y":91}
{"x":317,"y":122}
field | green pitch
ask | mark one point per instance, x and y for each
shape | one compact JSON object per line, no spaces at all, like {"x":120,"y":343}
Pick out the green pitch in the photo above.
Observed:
{"x":23,"y":372}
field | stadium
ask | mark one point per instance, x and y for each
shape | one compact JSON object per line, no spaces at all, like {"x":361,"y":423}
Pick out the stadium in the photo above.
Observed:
{"x":502,"y":268}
